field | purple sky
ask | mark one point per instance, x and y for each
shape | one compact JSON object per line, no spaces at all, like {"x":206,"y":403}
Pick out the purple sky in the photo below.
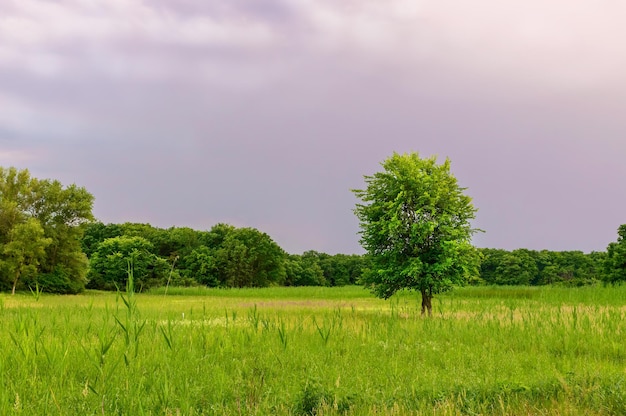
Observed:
{"x":265,"y":113}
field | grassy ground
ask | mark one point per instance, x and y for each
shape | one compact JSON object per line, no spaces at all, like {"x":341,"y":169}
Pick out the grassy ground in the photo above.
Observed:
{"x":492,"y":351}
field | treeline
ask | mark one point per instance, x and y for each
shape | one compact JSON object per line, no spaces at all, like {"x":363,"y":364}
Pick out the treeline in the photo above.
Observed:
{"x":224,"y":256}
{"x":534,"y":268}
{"x":50,"y":240}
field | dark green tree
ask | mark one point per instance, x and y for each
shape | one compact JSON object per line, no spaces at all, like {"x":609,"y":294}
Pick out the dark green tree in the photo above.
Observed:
{"x":303,"y":271}
{"x":200,"y":265}
{"x":156,"y":236}
{"x":575,"y":268}
{"x":491,"y":259}
{"x":217,"y":235}
{"x":415,"y":225}
{"x":110,"y":262}
{"x":517,"y":267}
{"x":597,"y":259}
{"x":249,"y":258}
{"x":97,"y":232}
{"x":529,"y":267}
{"x":615,"y":262}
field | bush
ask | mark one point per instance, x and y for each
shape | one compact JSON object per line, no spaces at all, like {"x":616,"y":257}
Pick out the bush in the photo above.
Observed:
{"x":59,"y":281}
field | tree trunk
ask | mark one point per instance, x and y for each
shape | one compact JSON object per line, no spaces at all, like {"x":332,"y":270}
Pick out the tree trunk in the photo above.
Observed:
{"x":427,"y":297}
{"x":17,"y":277}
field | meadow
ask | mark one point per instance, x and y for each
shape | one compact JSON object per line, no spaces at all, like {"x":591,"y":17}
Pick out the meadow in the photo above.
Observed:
{"x":315,"y":351}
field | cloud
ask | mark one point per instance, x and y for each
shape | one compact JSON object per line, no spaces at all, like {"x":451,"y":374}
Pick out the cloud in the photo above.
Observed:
{"x":266,"y":112}
{"x":573,"y":45}
{"x":116,"y":38}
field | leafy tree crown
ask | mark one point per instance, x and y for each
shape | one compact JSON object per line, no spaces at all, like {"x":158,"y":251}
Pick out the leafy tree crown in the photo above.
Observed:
{"x":415,"y":224}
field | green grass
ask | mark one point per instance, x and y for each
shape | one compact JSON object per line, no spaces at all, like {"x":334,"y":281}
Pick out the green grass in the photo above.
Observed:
{"x":299,"y":292}
{"x":330,"y":351}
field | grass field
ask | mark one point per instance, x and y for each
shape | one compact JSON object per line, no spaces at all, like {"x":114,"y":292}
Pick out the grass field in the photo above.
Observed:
{"x":315,"y":351}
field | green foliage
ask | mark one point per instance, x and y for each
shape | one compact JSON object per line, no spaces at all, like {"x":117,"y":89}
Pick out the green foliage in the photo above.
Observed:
{"x":347,"y":268}
{"x":529,"y":267}
{"x":201,"y":266}
{"x":303,"y":271}
{"x":615,"y":263}
{"x":415,"y":224}
{"x":226,"y":256}
{"x":24,"y":250}
{"x":95,"y":233}
{"x":249,"y":258}
{"x":44,"y":221}
{"x":320,"y":269}
{"x":109,"y":264}
{"x":58,"y":281}
{"x":516,"y":268}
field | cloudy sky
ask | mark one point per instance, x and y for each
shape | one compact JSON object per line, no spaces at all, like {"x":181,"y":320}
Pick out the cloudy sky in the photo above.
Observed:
{"x":265,"y":113}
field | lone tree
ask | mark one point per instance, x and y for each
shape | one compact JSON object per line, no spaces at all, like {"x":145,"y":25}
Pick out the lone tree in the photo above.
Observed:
{"x":415,"y":225}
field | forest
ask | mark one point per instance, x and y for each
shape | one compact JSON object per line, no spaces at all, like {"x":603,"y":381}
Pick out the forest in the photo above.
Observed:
{"x":50,"y":240}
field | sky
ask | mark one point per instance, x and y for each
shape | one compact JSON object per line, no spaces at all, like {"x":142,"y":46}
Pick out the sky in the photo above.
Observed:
{"x":266,"y":113}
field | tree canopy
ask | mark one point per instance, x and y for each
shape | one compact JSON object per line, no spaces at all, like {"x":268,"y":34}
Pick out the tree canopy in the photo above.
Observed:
{"x":41,"y":224}
{"x":113,"y":257}
{"x":415,"y":224}
{"x":615,"y":262}
{"x":249,"y":258}
{"x":224,"y":256}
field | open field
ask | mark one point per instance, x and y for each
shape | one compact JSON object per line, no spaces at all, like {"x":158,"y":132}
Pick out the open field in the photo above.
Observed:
{"x":325,"y":351}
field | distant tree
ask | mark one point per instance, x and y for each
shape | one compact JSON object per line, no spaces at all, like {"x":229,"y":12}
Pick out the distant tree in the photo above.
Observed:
{"x":156,"y":236}
{"x":22,"y":254}
{"x":547,"y":269}
{"x":597,"y":259}
{"x":95,"y":233}
{"x":313,"y":261}
{"x":575,"y":268}
{"x":529,"y":267}
{"x":360,"y":265}
{"x":336,"y":269}
{"x":415,"y":225}
{"x":216,"y":237}
{"x":249,"y":258}
{"x":200,"y":265}
{"x":303,"y":271}
{"x":168,"y":243}
{"x":517,"y":267}
{"x":313,"y":268}
{"x":109,"y":264}
{"x":491,"y":259}
{"x":183,"y":240}
{"x":615,"y":262}
{"x":15,"y":190}
{"x":61,"y":212}
{"x":15,"y":198}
